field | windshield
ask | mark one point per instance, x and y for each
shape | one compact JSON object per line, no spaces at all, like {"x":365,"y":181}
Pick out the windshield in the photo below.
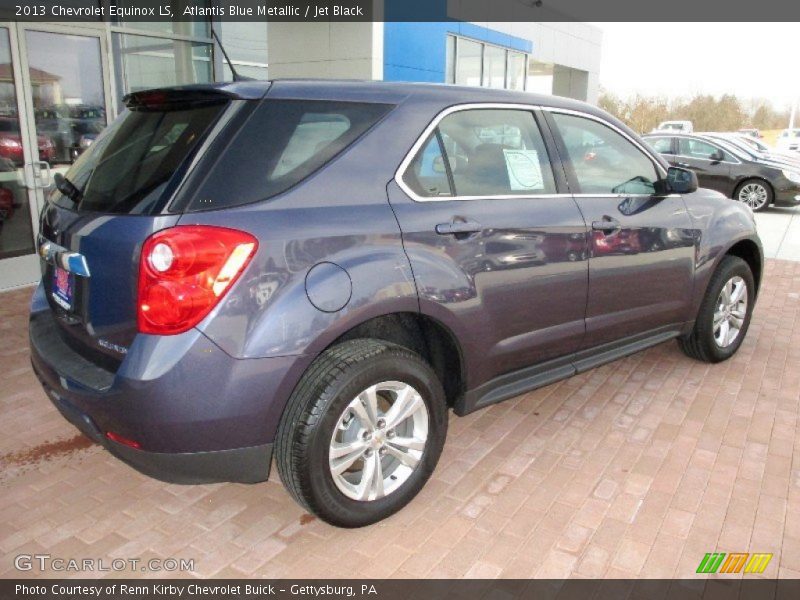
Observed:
{"x":128,"y":168}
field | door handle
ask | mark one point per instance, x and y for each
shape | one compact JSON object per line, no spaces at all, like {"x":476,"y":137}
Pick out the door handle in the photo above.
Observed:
{"x":37,"y":175}
{"x":458,"y":227}
{"x":607,"y":225}
{"x":683,"y":165}
{"x":44,"y":168}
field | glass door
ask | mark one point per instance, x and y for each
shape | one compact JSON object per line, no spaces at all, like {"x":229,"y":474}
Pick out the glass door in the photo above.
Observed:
{"x":62,"y":89}
{"x":18,"y":261}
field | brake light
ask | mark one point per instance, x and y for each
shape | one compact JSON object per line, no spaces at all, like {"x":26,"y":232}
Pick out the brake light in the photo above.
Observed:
{"x":185,"y":271}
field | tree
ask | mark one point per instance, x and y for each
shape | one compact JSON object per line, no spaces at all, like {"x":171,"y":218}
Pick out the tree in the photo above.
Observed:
{"x":707,"y":113}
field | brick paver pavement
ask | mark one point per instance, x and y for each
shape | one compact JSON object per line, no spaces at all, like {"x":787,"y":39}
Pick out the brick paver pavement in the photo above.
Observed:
{"x":634,"y":469}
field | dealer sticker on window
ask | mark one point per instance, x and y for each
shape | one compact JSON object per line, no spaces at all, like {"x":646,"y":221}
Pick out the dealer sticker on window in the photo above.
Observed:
{"x":524,"y":169}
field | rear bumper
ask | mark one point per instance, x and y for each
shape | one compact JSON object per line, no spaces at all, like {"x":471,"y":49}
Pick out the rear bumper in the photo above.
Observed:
{"x":242,"y":465}
{"x":198,"y":414}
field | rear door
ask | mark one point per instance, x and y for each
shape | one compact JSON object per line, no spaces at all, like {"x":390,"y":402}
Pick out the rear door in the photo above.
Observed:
{"x":498,"y":249}
{"x":642,"y":245}
{"x":98,"y":215}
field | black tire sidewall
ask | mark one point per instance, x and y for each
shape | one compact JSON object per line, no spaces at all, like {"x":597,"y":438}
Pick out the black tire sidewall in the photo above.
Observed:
{"x":730,"y":267}
{"x":338,"y":509}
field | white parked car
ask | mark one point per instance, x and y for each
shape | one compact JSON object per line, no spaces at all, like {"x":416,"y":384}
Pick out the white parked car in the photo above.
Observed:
{"x":674,"y":127}
{"x":789,"y":139}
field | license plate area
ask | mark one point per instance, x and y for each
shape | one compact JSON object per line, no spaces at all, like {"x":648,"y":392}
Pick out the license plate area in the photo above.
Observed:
{"x":63,"y":290}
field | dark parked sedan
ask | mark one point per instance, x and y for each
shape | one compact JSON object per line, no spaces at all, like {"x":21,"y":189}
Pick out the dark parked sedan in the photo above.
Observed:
{"x":721,"y":166}
{"x":319,"y":271}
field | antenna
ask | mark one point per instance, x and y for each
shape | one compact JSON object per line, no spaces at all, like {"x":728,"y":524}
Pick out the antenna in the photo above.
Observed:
{"x":236,"y":76}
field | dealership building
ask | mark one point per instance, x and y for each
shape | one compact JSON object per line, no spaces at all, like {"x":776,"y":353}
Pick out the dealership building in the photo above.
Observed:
{"x":61,"y":83}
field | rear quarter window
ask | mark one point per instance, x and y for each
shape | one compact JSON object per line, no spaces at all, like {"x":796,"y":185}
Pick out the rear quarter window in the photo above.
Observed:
{"x":282,"y":143}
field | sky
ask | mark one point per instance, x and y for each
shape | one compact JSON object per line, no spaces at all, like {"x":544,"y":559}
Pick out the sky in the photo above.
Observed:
{"x":749,"y":60}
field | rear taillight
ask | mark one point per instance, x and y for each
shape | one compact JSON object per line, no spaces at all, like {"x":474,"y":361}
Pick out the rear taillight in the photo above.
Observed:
{"x":185,"y":271}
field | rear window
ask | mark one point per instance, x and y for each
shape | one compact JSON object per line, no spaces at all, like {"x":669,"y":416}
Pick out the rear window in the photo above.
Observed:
{"x":128,"y":169}
{"x":282,"y":143}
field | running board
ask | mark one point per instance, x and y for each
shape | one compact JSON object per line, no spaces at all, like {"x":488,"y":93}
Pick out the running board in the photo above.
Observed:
{"x":530,"y":378}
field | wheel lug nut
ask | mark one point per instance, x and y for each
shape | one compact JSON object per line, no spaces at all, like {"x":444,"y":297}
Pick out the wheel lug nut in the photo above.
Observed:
{"x":368,"y":452}
{"x":382,"y":450}
{"x":381,"y":423}
{"x":365,"y":436}
{"x":390,"y":434}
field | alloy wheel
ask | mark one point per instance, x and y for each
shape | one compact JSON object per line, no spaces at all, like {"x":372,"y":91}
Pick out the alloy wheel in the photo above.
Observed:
{"x":731,"y":309}
{"x":754,"y":195}
{"x":378,"y":441}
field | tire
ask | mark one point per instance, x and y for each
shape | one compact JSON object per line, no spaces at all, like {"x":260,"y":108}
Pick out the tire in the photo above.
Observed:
{"x":756,"y":193}
{"x":704,"y":343}
{"x":327,"y":406}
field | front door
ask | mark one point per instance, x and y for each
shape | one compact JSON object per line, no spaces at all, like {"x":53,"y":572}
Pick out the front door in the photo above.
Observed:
{"x":711,"y":163}
{"x":54,"y":103}
{"x":642,"y":245}
{"x":498,"y":254}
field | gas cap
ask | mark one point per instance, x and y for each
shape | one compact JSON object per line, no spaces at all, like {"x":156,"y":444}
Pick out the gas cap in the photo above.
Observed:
{"x":328,"y":287}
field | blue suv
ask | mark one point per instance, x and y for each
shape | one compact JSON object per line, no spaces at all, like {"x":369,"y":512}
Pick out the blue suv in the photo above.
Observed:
{"x":317,"y":271}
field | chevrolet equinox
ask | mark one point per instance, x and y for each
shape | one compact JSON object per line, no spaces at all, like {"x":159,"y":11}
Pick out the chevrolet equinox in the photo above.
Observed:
{"x":317,"y":271}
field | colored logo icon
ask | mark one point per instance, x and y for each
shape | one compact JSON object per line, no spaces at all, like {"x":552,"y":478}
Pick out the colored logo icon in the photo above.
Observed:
{"x":734,"y":562}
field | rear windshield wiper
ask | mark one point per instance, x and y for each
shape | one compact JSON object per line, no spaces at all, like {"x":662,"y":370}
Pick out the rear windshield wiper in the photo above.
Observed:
{"x":66,"y":187}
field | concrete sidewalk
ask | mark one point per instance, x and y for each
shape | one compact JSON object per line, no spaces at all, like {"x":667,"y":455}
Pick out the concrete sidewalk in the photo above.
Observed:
{"x":779,"y":229}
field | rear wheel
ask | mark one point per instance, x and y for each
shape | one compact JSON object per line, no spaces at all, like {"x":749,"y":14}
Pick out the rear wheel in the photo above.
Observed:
{"x":725,"y":313}
{"x":755,"y":193}
{"x":362,"y":432}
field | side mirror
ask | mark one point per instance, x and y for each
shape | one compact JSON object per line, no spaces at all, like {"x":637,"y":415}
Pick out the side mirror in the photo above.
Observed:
{"x":681,"y":181}
{"x":717,"y":156}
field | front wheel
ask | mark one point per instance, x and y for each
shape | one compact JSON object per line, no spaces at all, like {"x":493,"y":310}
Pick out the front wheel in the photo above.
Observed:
{"x":362,"y":432}
{"x":724,"y":315}
{"x":755,"y":193}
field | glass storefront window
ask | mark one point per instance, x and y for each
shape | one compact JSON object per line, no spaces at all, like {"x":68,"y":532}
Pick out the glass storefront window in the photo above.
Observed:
{"x":515,"y":74}
{"x":494,"y":67}
{"x":68,"y":99}
{"x":479,"y":64}
{"x":198,"y":28}
{"x":144,"y":62}
{"x":469,"y":62}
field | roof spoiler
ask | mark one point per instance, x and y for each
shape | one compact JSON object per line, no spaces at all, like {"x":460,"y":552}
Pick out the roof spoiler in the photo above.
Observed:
{"x":168,"y":99}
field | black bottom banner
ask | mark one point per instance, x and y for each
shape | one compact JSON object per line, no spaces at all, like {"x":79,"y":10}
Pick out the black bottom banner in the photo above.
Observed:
{"x":572,"y":589}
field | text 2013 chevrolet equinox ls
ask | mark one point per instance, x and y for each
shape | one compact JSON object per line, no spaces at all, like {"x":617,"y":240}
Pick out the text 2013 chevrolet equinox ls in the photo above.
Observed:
{"x":320,"y":270}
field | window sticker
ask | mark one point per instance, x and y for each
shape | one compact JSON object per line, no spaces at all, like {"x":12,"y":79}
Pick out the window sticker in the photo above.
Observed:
{"x":524,"y":169}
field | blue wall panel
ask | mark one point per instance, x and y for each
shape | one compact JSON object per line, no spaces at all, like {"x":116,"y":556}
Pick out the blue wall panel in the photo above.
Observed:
{"x":414,"y":51}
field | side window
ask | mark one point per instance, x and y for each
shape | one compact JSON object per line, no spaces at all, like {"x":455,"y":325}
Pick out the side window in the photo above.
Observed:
{"x":282,"y":143}
{"x":699,"y":149}
{"x":496,"y":152}
{"x":604,"y":162}
{"x":485,"y":153}
{"x":660,"y":145}
{"x":314,"y":133}
{"x":427,"y":174}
